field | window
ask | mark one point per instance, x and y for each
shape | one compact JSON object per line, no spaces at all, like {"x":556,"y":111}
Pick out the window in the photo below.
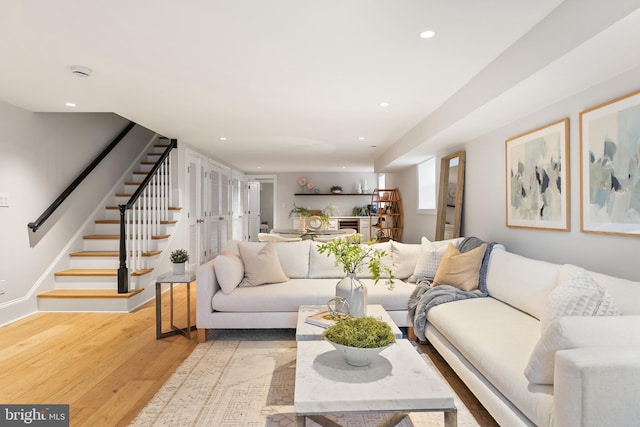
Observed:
{"x":427,"y":185}
{"x":382,"y":180}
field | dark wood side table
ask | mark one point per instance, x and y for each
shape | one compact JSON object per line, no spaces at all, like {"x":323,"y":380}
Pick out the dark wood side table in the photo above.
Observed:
{"x":173,"y":279}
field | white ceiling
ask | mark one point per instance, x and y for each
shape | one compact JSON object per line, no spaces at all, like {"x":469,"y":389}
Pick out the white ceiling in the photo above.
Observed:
{"x":292,"y":84}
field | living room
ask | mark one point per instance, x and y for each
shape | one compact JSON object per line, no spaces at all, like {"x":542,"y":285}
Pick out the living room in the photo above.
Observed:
{"x":579,"y":58}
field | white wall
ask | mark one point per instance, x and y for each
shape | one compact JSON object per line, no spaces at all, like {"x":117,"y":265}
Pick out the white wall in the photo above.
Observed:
{"x":484,"y":196}
{"x":287,"y":186}
{"x":41,"y":154}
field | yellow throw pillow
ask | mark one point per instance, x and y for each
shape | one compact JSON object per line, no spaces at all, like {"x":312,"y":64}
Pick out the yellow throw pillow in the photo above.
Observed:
{"x":460,"y":269}
{"x":261,"y":267}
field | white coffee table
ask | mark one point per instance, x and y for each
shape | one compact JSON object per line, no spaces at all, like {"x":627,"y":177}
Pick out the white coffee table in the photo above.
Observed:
{"x":397,"y":381}
{"x":308,"y":332}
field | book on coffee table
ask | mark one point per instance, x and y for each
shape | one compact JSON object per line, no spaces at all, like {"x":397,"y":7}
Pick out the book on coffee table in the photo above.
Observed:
{"x":324,"y":319}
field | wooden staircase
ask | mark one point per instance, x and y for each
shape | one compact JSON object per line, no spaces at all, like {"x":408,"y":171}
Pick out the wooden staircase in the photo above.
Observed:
{"x":90,"y":282}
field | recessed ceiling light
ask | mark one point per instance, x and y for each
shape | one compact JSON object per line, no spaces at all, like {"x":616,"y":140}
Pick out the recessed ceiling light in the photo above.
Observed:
{"x":427,"y":34}
{"x":384,"y":104}
{"x":222,"y":138}
{"x":361,"y":138}
{"x":70,"y":104}
{"x":259,"y":167}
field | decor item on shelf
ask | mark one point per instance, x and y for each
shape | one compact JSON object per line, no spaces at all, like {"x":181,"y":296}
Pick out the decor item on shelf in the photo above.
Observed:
{"x":336,"y":189}
{"x":302,"y":181}
{"x":310,"y":186}
{"x":179,"y":258}
{"x":360,"y":339}
{"x":353,"y":256}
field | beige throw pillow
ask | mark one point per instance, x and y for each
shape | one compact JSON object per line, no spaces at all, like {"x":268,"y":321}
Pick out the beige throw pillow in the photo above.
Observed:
{"x":460,"y":269}
{"x":261,"y":267}
{"x":229,"y":271}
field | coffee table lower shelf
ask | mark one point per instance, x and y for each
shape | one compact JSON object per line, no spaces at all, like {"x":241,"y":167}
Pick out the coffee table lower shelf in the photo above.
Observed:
{"x":397,"y":381}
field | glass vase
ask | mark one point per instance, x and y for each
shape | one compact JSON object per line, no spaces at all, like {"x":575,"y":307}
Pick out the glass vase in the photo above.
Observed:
{"x":355,"y":293}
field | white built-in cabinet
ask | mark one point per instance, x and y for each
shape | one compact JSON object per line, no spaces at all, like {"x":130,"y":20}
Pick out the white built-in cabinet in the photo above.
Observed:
{"x":215,"y":198}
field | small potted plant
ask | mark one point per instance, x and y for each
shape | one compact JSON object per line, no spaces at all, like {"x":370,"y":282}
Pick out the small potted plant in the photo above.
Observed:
{"x":336,"y":189}
{"x":179,"y":258}
{"x":360,"y":339}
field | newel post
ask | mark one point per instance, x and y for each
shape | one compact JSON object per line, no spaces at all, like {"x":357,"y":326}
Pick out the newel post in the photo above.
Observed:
{"x":123,"y":271}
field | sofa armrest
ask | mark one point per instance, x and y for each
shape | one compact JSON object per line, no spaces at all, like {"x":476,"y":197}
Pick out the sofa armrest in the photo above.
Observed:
{"x":207,"y":286}
{"x":597,"y":386}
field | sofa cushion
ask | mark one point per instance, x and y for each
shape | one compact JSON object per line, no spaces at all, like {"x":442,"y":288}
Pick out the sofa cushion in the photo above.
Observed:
{"x":626,"y":293}
{"x":261,"y":267}
{"x":229,"y":271}
{"x":287,"y":296}
{"x":578,"y":296}
{"x":523,"y":283}
{"x":322,"y":266}
{"x":575,"y":332}
{"x":497,"y":340}
{"x":460,"y":270}
{"x":403,"y":258}
{"x":294,"y":258}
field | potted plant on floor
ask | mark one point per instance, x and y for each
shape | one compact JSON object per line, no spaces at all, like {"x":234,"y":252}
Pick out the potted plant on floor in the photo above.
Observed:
{"x":353,"y":256}
{"x":359,"y":339}
{"x":179,"y":258}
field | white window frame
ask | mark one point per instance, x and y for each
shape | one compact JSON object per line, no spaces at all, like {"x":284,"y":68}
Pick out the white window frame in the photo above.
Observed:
{"x":427,"y":186}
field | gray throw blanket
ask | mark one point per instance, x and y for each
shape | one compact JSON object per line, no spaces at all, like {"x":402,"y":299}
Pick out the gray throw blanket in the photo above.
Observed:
{"x":424,"y":297}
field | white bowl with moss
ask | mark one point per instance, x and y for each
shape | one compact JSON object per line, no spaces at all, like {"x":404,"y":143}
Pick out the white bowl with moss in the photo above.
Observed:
{"x":360,"y":339}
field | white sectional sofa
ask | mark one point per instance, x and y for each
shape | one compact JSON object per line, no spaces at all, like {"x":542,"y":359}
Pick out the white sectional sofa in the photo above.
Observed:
{"x":582,"y":370}
{"x":591,"y":363}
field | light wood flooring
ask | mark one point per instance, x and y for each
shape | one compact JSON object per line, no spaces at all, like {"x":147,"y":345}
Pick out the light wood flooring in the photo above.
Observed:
{"x":107,"y":366}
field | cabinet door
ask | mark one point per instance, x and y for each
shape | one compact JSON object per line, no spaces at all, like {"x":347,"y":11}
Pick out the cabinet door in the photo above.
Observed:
{"x":364,"y":225}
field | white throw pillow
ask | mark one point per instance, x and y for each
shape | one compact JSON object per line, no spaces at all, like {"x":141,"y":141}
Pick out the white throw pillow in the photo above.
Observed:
{"x":261,"y":267}
{"x":229,"y":271}
{"x":404,"y":257}
{"x":322,"y":266}
{"x":579,"y":296}
{"x":577,"y":332}
{"x":428,"y":261}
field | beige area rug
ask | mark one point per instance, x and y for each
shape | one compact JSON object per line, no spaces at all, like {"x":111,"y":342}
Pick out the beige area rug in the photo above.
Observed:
{"x":246,"y":378}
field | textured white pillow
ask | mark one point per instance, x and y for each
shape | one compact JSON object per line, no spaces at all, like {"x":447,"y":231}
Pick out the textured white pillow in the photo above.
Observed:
{"x":322,"y":266}
{"x":294,"y":258}
{"x":261,"y":267}
{"x":428,"y":261}
{"x":577,"y":332}
{"x":579,"y":296}
{"x":229,"y":271}
{"x":404,"y":257}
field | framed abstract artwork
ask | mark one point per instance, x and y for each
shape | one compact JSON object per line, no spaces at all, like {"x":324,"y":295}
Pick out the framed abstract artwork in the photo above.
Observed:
{"x":610,"y":167}
{"x":537,"y":175}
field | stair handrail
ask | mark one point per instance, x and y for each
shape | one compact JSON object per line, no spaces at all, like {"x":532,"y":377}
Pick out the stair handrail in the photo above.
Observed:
{"x":34,"y":226}
{"x":123,"y":270}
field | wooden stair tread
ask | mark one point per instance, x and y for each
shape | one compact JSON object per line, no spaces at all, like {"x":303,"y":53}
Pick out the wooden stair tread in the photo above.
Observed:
{"x":109,"y":253}
{"x":117,"y":221}
{"x":147,"y":163}
{"x":117,"y":236}
{"x":97,"y":272}
{"x":88,"y":293}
